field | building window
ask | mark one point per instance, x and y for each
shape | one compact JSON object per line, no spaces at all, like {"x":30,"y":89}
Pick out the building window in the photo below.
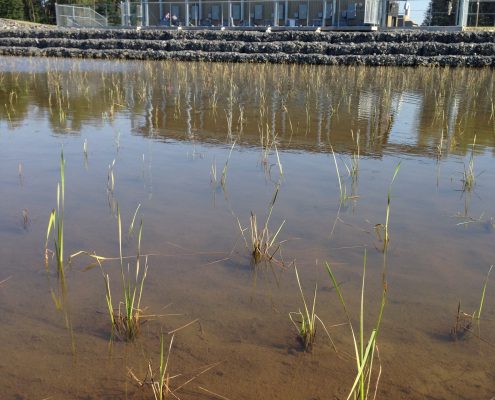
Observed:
{"x":303,"y":11}
{"x":236,"y":11}
{"x":215,"y":12}
{"x":258,"y":11}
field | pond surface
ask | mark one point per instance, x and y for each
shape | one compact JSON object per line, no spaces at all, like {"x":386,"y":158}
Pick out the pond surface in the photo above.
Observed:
{"x":169,"y":126}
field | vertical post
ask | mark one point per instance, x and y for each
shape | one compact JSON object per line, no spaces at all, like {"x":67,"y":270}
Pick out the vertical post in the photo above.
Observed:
{"x":324,"y":16}
{"x":307,"y":15}
{"x":275,"y":13}
{"x":385,"y":13}
{"x":242,"y":11}
{"x":200,"y":11}
{"x":334,"y":11}
{"x":477,"y":12}
{"x":457,"y":12}
{"x":57,"y":12}
{"x":161,"y":10}
{"x":187,"y":13}
{"x":122,"y":13}
{"x":286,"y":13}
{"x":146,"y":13}
{"x":229,"y":13}
{"x":128,"y":12}
{"x":139,"y":15}
{"x":463,"y":13}
{"x":249,"y":13}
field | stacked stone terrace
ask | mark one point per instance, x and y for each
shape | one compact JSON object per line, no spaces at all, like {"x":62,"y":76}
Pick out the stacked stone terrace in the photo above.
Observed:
{"x":397,"y":48}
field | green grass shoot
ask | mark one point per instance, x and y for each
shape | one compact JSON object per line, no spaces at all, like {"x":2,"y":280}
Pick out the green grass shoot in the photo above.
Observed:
{"x":477,"y":314}
{"x":223,"y":179}
{"x":161,"y":387}
{"x":56,"y":224}
{"x":342,"y":188}
{"x":364,"y":350}
{"x":468,"y":177}
{"x":389,"y":195}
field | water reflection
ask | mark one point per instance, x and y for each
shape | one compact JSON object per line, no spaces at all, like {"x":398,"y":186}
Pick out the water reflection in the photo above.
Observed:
{"x":300,"y":107}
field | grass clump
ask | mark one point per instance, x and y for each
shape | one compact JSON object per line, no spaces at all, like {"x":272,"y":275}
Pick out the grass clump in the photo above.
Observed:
{"x":263,"y":244}
{"x":306,"y":321}
{"x":464,"y":321}
{"x":160,"y":382}
{"x":353,"y":172}
{"x":160,"y":386}
{"x":126,"y":319}
{"x":364,"y":350}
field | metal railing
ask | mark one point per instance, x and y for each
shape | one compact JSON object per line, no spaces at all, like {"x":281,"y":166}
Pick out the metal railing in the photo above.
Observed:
{"x":79,"y":17}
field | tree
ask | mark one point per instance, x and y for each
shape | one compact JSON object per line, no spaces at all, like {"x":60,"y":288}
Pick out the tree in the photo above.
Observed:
{"x":441,"y":13}
{"x":12,"y":9}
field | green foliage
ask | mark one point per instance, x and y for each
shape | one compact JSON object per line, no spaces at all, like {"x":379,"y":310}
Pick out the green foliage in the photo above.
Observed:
{"x":43,"y":11}
{"x":438,"y":12}
{"x":12,"y":9}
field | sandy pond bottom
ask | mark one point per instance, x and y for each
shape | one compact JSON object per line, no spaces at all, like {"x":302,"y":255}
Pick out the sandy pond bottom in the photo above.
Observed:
{"x":165,"y":125}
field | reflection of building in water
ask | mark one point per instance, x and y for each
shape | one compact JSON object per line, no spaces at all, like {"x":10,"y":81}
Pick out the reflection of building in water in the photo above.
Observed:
{"x":296,"y":107}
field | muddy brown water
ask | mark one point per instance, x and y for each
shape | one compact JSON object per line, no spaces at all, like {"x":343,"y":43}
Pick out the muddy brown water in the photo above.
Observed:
{"x":165,"y":125}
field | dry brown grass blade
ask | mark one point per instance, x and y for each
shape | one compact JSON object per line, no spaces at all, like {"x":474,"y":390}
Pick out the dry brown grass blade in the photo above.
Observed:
{"x":203,"y":371}
{"x":5,"y":280}
{"x":213,"y":393}
{"x":183,"y":326}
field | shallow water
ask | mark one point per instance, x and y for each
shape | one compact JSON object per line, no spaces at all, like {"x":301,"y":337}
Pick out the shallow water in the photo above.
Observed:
{"x":165,"y":125}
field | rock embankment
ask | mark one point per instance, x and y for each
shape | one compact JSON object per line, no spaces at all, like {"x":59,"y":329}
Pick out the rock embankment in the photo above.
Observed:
{"x":15,"y":24}
{"x":399,"y":48}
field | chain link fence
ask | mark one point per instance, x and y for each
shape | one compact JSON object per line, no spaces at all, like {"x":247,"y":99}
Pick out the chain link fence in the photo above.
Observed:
{"x":79,"y":17}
